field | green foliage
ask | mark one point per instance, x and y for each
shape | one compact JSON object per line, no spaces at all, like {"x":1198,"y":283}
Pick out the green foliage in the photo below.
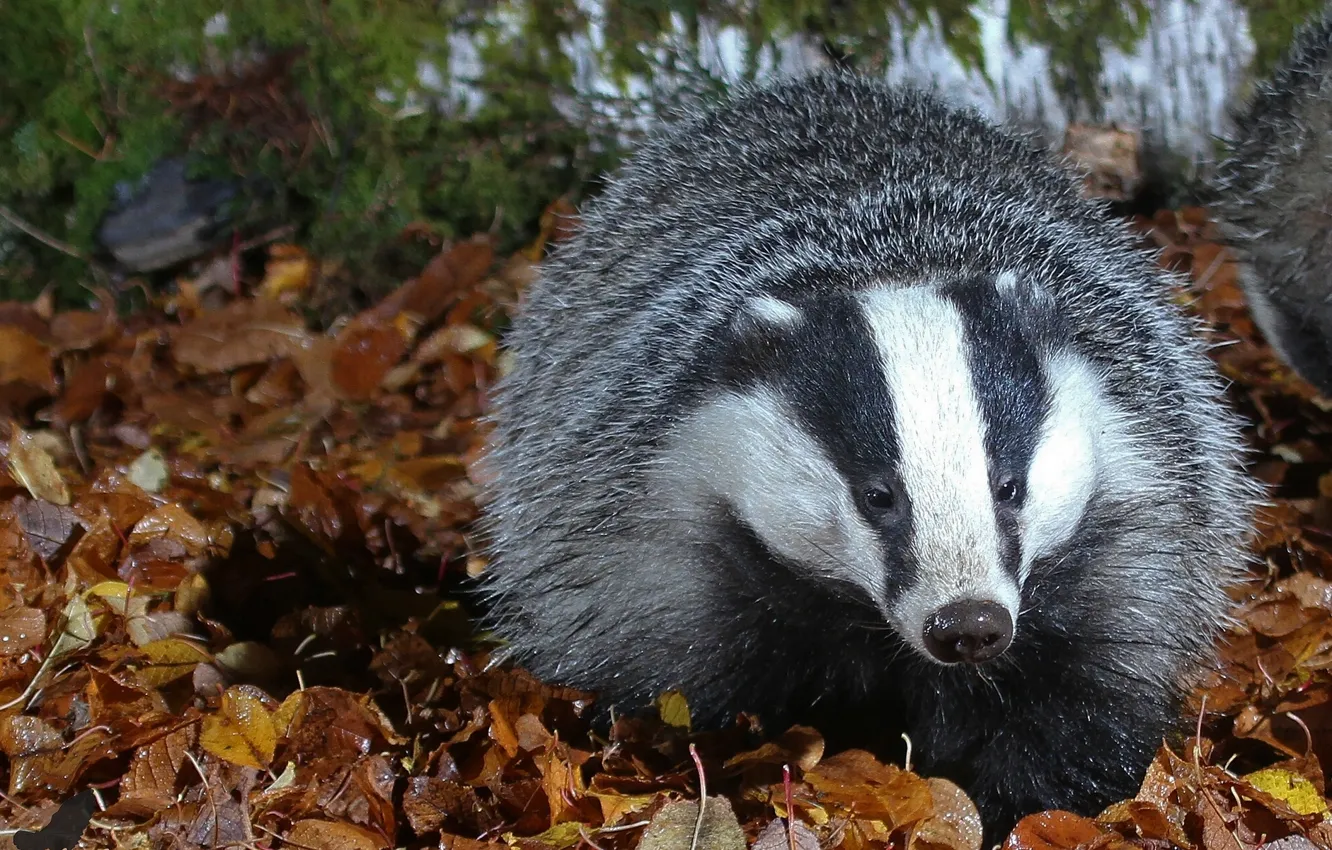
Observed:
{"x":463,"y":114}
{"x":1273,"y":24}
{"x":354,"y":143}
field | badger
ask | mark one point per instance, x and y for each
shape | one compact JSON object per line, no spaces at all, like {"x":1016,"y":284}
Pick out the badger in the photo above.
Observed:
{"x":842,"y":402}
{"x":1272,"y":197}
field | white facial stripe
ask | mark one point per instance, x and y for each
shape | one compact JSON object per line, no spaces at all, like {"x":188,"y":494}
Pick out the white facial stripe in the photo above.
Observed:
{"x":774,"y":311}
{"x":1064,"y":466}
{"x":747,"y":449}
{"x":944,"y":467}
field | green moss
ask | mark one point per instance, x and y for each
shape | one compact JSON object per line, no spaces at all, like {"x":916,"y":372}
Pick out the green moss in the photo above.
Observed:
{"x":352,"y":147}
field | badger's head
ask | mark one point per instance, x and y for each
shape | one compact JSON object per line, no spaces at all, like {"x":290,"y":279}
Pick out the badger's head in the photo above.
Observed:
{"x":923,"y":446}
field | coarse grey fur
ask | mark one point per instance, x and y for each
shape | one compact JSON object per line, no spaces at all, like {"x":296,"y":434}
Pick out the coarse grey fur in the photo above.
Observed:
{"x":1273,"y":199}
{"x":806,"y":191}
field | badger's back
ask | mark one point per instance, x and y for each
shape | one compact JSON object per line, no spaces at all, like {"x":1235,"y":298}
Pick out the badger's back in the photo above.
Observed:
{"x":1273,"y":199}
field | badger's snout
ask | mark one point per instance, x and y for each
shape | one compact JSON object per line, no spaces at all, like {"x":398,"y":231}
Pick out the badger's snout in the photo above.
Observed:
{"x":968,"y":631}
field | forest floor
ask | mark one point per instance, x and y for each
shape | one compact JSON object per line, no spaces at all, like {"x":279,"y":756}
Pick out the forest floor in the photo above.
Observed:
{"x":230,"y":547}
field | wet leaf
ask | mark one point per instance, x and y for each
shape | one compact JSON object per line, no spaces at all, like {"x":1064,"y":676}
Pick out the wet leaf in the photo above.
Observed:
{"x":328,"y":835}
{"x":21,"y":630}
{"x":170,"y":659}
{"x":241,"y":732}
{"x":1052,"y":831}
{"x":1291,"y":788}
{"x":778,"y":835}
{"x":673,"y":827}
{"x":33,"y":467}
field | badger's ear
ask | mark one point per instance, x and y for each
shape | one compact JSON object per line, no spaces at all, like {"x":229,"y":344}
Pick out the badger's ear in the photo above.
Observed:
{"x":770,"y":312}
{"x":754,"y":335}
{"x":1012,"y":284}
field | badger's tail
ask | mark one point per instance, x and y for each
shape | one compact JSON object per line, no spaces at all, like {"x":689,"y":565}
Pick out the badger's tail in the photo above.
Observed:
{"x":1272,"y":195}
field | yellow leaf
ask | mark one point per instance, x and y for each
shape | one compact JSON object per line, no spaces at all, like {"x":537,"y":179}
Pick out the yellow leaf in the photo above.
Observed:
{"x":674,"y":710}
{"x":114,"y":592}
{"x":171,"y":658}
{"x":1295,"y":790}
{"x":288,"y":270}
{"x":561,"y":835}
{"x":241,"y":732}
{"x":288,"y":713}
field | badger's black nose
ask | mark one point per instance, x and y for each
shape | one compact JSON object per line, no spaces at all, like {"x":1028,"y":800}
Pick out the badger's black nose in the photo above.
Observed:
{"x":969,"y":631}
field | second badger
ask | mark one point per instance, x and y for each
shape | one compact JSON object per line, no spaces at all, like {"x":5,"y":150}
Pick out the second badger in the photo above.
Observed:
{"x":842,"y":398}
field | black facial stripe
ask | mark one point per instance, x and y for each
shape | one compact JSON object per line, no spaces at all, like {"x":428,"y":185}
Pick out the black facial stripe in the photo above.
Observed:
{"x":1006,"y":334}
{"x":827,"y":369}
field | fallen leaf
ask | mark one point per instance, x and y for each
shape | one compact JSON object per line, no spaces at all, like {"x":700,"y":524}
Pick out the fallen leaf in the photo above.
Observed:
{"x":34,"y":468}
{"x":170,"y":659}
{"x":674,"y":710}
{"x":779,"y":835}
{"x":329,"y":835}
{"x":21,"y":630}
{"x":24,"y":359}
{"x":243,"y":333}
{"x":241,"y":732}
{"x":1054,"y":830}
{"x":673,"y":827}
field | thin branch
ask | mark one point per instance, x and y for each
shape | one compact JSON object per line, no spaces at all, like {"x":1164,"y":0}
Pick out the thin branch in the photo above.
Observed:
{"x":40,"y":235}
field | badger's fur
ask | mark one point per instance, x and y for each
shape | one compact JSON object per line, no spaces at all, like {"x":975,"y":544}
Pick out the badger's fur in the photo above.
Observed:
{"x":1273,"y":199}
{"x":837,"y":384}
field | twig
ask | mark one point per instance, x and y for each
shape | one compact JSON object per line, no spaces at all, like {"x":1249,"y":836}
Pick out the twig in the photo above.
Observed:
{"x":790,"y":810}
{"x":702,"y":796}
{"x":40,"y":235}
{"x":271,"y":236}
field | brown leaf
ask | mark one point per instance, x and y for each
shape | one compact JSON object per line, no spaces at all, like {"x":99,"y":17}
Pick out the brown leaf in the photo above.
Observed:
{"x":858,"y":783}
{"x":363,"y":356}
{"x":241,"y":732}
{"x":24,"y":359}
{"x":21,"y":630}
{"x":242,"y":333}
{"x":429,"y":803}
{"x":778,"y":836}
{"x":332,"y":723}
{"x":328,"y":835}
{"x":173,"y":523}
{"x":956,"y":823}
{"x":155,"y":775}
{"x":1054,"y":830}
{"x":443,"y":278}
{"x":799,"y":746}
{"x":75,"y":330}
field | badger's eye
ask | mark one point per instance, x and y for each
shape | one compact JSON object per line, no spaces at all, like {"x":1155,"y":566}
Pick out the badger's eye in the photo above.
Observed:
{"x":1007,"y":490}
{"x":880,"y":498}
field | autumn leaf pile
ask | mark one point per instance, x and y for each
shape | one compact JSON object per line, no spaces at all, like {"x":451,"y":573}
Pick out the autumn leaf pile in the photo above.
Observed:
{"x":234,"y":559}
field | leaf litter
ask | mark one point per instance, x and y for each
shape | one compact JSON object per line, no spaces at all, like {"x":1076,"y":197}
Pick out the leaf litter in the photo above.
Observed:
{"x":232,"y":547}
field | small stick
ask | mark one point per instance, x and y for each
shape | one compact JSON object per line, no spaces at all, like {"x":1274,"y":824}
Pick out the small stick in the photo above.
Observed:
{"x":790,"y":810}
{"x":41,"y":235}
{"x":702,"y":796}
